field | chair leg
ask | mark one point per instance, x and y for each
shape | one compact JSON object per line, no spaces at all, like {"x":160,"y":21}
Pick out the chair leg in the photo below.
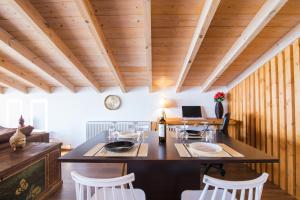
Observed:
{"x":219,"y":167}
{"x":207,"y":169}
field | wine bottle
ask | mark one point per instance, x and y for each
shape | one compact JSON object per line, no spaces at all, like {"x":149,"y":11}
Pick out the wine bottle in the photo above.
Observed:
{"x":162,"y":130}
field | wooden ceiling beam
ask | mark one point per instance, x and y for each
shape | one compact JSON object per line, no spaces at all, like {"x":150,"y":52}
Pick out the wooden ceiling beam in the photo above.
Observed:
{"x":148,"y":43}
{"x":17,"y":71}
{"x":205,"y":18}
{"x":95,"y":28}
{"x":10,"y":42}
{"x":13,"y":83}
{"x":260,"y":20}
{"x":39,"y":23}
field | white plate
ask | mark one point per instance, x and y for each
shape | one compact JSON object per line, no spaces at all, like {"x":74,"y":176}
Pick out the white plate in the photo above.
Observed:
{"x":206,"y":147}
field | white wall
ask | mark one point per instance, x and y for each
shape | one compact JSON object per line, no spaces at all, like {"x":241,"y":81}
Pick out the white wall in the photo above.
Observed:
{"x":66,"y":113}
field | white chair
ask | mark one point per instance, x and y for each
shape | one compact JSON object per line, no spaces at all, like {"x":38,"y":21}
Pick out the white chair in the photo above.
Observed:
{"x":227,"y":190}
{"x":106,"y":189}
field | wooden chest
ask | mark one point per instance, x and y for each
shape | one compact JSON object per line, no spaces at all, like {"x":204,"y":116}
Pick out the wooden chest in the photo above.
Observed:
{"x":31,"y":173}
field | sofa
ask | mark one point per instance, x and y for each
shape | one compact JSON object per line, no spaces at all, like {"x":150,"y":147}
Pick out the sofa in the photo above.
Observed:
{"x":31,"y":135}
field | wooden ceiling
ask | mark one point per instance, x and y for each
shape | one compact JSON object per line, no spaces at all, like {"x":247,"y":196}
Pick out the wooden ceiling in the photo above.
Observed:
{"x":107,"y":43}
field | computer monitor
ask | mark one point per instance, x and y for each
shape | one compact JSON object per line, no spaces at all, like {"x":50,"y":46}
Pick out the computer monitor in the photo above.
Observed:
{"x":191,"y":112}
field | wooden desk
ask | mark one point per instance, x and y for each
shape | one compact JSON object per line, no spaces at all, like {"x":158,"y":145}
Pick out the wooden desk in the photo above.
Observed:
{"x":33,"y":172}
{"x":233,"y":128}
{"x":163,"y":174}
{"x":211,"y":121}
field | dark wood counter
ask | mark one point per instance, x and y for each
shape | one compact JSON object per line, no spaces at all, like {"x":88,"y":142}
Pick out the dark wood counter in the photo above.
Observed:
{"x":163,"y":174}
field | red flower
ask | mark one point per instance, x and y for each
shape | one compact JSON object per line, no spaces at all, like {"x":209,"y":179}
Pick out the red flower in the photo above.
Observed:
{"x":219,"y":97}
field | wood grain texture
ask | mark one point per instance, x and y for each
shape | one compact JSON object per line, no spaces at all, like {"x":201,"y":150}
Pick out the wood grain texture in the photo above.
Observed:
{"x":97,"y":32}
{"x":38,"y":22}
{"x":205,"y":18}
{"x":18,"y":47}
{"x":296,"y":63}
{"x":19,"y":72}
{"x":13,"y":83}
{"x":276,"y":115}
{"x":286,"y":19}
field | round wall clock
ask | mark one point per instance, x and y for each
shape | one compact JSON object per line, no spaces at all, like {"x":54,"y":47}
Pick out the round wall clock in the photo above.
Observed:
{"x":112,"y":102}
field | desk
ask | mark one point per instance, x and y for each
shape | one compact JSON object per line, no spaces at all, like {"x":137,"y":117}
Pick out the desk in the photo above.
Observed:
{"x":163,"y":174}
{"x":211,"y":121}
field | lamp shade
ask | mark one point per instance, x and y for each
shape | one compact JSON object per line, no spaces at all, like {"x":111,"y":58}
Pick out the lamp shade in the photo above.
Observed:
{"x":167,"y":103}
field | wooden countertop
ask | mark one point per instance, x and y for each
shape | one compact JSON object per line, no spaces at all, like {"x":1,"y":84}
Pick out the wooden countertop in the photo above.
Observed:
{"x":12,"y":160}
{"x":211,"y":121}
{"x":167,"y":153}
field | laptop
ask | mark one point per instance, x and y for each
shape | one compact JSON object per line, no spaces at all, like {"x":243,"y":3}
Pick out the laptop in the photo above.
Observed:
{"x":191,"y":112}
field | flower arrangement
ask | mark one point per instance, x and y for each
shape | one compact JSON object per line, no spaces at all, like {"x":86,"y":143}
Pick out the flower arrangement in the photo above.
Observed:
{"x":219,"y":97}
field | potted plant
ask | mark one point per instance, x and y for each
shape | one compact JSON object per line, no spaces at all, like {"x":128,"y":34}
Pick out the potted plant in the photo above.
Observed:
{"x":219,"y":110}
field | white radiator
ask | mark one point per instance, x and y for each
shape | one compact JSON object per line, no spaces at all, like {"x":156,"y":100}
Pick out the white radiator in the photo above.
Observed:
{"x":94,"y":128}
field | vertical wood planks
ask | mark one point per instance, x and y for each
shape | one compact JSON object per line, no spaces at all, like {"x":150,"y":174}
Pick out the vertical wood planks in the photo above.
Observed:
{"x":296,"y":62}
{"x":252,"y":113}
{"x":262,"y":91}
{"x":244,"y":114}
{"x":275,"y":118}
{"x":282,"y":120}
{"x":257,"y":114}
{"x":268,"y":94}
{"x":268,"y":105}
{"x":290,"y":128}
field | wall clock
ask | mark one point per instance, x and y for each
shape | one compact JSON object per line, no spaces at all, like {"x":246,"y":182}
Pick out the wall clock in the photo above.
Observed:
{"x":112,"y":102}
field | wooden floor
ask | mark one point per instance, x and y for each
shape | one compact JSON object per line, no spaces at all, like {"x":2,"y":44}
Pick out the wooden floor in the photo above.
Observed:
{"x":233,"y":172}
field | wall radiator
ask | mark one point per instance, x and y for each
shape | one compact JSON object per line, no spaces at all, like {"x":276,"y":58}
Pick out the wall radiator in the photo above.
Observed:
{"x":94,"y":128}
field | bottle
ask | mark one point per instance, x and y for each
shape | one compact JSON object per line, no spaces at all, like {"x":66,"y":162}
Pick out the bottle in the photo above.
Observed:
{"x":162,"y":130}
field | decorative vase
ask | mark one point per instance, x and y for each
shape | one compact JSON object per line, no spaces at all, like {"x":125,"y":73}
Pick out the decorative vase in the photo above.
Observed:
{"x":18,"y":140}
{"x":219,"y":110}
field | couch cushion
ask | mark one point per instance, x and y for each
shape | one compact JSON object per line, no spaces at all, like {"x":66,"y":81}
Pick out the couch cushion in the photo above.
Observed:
{"x":26,"y":130}
{"x":6,"y":133}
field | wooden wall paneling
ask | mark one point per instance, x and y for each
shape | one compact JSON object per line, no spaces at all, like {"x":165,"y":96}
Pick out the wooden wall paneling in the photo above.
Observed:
{"x":262,"y":112}
{"x":268,"y":96}
{"x":241,"y":133}
{"x":290,"y":117}
{"x":272,"y":114}
{"x":252,"y":130}
{"x":248,"y":114}
{"x":233,"y":112}
{"x":237,"y":114}
{"x":244,"y":113}
{"x":229,"y":108}
{"x":275,"y":118}
{"x":296,"y":56}
{"x":282,"y":121}
{"x":257,"y":114}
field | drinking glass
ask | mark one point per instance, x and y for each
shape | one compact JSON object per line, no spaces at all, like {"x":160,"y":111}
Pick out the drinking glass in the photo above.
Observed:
{"x":132,"y":128}
{"x":140,"y":137}
{"x":112,"y":134}
{"x":178,"y":132}
{"x":211,"y":136}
